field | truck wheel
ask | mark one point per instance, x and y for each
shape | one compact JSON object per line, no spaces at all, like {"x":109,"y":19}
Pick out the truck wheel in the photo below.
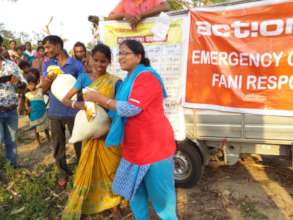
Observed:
{"x":188,"y":165}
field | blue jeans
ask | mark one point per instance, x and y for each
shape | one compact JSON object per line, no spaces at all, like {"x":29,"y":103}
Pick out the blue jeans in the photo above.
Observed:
{"x":8,"y":128}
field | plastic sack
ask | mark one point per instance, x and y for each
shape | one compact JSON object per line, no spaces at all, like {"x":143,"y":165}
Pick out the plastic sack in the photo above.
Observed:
{"x":90,"y":110}
{"x":95,"y":128}
{"x":90,"y":107}
{"x":61,"y":86}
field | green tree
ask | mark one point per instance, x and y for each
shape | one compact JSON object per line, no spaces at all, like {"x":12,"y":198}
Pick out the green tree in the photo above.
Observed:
{"x":177,"y":5}
{"x":184,"y":4}
{"x":9,"y":35}
{"x":24,"y":37}
{"x":5,"y":33}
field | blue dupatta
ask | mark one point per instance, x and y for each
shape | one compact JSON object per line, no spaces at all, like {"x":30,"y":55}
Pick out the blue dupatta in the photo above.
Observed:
{"x":116,"y":133}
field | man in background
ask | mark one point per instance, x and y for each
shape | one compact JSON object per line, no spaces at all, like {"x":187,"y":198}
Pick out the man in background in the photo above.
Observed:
{"x":60,"y":116}
{"x":10,"y":78}
{"x":79,"y":51}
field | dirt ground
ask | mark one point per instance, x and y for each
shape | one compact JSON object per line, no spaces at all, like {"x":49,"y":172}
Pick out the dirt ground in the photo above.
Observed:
{"x":255,"y":188}
{"x":251,"y":189}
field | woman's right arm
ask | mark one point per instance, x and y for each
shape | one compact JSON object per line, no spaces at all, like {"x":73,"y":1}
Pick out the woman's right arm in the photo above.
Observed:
{"x":78,"y":86}
{"x":72,"y":104}
{"x":67,"y":99}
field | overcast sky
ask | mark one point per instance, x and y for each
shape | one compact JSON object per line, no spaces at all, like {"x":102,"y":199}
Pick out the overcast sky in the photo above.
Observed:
{"x":70,"y":16}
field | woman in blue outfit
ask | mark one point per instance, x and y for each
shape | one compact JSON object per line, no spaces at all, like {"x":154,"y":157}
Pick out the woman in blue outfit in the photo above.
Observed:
{"x":145,"y":172}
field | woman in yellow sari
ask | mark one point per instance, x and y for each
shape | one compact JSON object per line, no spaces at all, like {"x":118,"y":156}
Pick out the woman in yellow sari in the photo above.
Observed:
{"x":97,"y":166}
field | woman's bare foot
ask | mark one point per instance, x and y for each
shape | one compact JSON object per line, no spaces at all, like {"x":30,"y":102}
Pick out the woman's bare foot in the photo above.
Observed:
{"x":116,"y":213}
{"x":61,"y":183}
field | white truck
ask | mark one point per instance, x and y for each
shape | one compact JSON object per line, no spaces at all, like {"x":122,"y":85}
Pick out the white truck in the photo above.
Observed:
{"x":202,"y":133}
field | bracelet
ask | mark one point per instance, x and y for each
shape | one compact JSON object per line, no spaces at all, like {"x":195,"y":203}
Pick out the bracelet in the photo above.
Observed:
{"x":73,"y":104}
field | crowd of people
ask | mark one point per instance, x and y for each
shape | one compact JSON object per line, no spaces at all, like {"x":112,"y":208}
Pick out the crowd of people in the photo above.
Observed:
{"x":133,"y":161}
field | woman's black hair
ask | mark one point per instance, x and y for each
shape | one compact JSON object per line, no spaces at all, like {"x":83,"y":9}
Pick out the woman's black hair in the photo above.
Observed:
{"x":104,"y":49}
{"x":14,"y":41}
{"x":23,"y":64}
{"x":30,"y":78}
{"x":79,"y":44}
{"x":137,"y":48}
{"x":40,"y":48}
{"x":35,"y":72}
{"x":27,"y":43}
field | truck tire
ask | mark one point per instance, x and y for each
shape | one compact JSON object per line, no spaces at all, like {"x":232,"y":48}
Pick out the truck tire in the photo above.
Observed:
{"x":188,"y":165}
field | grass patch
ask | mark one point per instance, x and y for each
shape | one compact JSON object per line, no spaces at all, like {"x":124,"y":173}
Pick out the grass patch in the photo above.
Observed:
{"x":29,"y":194}
{"x":249,"y":210}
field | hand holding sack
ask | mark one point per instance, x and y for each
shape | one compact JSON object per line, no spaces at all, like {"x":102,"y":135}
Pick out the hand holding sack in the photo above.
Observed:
{"x":90,"y":107}
{"x":93,"y":128}
{"x":53,"y":71}
{"x":90,"y":110}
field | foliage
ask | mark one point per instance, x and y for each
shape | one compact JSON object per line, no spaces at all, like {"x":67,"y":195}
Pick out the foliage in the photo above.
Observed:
{"x":90,"y":45}
{"x":26,"y":194}
{"x":20,"y":37}
{"x":184,"y":4}
{"x":9,"y":35}
{"x":177,"y":5}
{"x":248,"y":210}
